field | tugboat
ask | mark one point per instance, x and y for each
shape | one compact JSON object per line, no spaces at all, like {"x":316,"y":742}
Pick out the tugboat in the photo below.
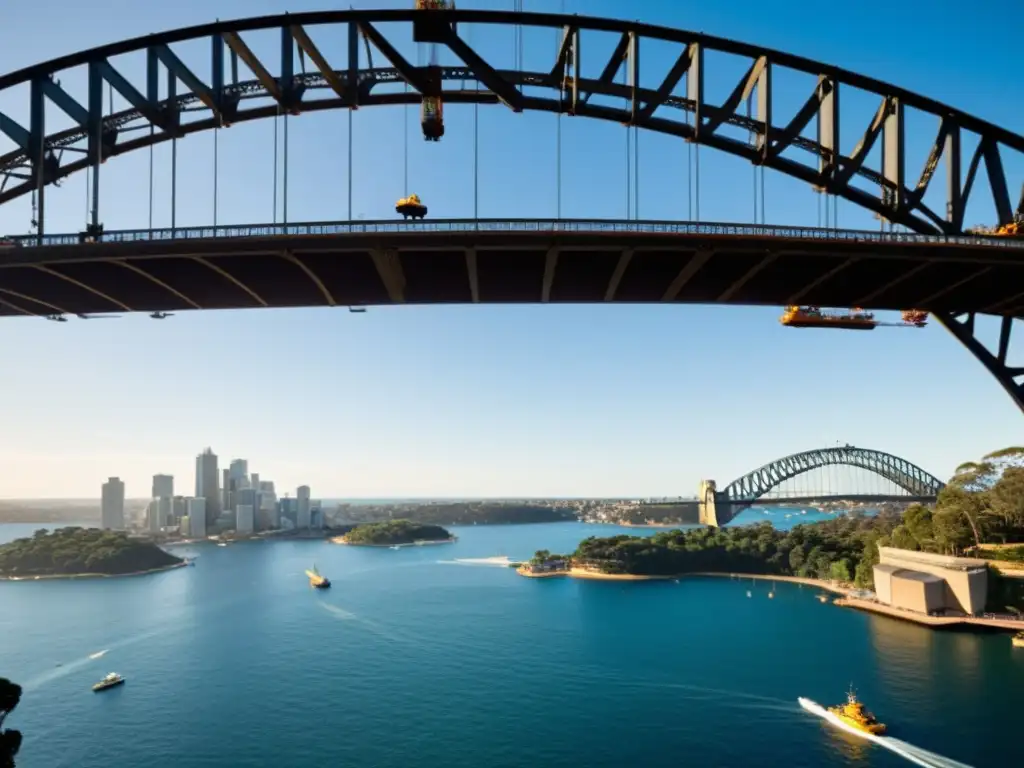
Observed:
{"x":853,"y":714}
{"x":316,"y":580}
{"x":1018,"y":640}
{"x":111,"y":680}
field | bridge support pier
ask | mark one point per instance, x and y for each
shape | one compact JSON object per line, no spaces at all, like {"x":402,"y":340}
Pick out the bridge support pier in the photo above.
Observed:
{"x":714,"y":508}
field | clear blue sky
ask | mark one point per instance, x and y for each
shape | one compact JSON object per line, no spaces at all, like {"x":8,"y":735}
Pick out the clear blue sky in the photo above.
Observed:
{"x":493,"y":400}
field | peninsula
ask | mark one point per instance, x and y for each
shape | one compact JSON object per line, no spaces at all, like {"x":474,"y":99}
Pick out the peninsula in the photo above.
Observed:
{"x":395,"y":533}
{"x":75,"y":552}
{"x":979,"y":513}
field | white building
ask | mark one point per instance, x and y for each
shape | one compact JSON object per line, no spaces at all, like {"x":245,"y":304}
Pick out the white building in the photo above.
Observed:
{"x":112,"y":505}
{"x":207,"y":485}
{"x":244,"y":522}
{"x":196,"y":517}
{"x":163,"y":485}
{"x":302,"y":507}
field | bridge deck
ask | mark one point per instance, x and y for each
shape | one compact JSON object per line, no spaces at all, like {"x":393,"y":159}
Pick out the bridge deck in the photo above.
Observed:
{"x":373,"y":263}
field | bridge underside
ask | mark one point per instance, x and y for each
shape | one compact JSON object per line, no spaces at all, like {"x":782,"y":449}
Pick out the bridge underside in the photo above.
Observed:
{"x":316,"y":265}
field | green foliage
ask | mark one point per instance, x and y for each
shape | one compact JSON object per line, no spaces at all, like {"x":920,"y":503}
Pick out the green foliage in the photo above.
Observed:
{"x":396,"y":532}
{"x":821,"y":550}
{"x":545,"y":557}
{"x":10,"y":740}
{"x":74,"y":550}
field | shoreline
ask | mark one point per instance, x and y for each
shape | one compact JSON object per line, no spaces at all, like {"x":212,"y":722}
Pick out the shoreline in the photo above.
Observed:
{"x":421,"y":543}
{"x":56,"y":576}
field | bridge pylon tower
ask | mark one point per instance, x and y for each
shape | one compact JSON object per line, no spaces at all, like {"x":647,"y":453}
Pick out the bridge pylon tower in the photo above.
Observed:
{"x":712,"y":506}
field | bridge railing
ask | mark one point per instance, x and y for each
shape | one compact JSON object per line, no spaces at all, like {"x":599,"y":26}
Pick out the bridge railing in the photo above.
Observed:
{"x":578,"y":226}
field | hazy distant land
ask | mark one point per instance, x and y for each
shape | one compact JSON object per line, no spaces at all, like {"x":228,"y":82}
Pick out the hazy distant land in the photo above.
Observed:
{"x":56,"y":510}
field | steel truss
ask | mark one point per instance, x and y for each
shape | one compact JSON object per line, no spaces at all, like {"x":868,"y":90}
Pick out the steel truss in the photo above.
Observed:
{"x":677,"y":106}
{"x":174,"y":98}
{"x":911,"y":478}
{"x":1010,"y":377}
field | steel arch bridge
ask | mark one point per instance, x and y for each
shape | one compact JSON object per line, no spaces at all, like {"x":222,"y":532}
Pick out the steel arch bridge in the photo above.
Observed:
{"x":176,"y":98}
{"x":918,"y":483}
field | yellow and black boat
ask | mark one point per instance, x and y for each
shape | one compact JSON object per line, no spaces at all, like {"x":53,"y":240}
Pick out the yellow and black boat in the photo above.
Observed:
{"x":853,"y":714}
{"x":316,"y":580}
{"x":1018,"y":640}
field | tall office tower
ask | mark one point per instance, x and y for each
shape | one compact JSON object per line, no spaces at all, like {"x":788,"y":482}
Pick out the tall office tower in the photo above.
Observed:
{"x":302,"y":509}
{"x":165,"y":508}
{"x":197,"y":518}
{"x":244,"y":518}
{"x":163,"y":485}
{"x":225,"y":485}
{"x":112,"y":505}
{"x":155,"y":519}
{"x":254,"y":481}
{"x":207,"y":485}
{"x":239,"y":471}
{"x":178,"y":509}
{"x":245,"y":498}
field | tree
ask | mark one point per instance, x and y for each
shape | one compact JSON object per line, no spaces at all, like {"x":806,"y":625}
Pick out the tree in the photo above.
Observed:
{"x":10,"y":740}
{"x":970,"y":505}
{"x":840,"y":570}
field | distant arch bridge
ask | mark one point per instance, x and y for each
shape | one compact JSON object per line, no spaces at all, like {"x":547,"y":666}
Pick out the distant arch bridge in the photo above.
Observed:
{"x":718,"y":507}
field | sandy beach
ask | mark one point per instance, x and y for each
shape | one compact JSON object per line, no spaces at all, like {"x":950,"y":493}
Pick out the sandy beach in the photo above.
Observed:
{"x":94,"y":575}
{"x":819,"y":583}
{"x":342,"y":540}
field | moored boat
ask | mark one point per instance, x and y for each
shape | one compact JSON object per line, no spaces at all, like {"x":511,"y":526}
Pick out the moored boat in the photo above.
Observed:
{"x":1018,"y":640}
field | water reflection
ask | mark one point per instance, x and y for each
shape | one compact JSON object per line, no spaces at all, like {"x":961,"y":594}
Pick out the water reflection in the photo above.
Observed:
{"x":852,"y":748}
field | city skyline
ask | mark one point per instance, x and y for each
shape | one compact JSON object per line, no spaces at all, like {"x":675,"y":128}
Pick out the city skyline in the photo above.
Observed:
{"x":491,"y":401}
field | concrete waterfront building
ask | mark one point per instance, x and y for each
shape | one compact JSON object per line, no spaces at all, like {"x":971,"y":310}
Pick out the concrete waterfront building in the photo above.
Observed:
{"x":302,"y":507}
{"x":927,"y":583}
{"x":225,"y":489}
{"x":112,"y":505}
{"x":196,"y":517}
{"x":163,"y":485}
{"x":207,"y":485}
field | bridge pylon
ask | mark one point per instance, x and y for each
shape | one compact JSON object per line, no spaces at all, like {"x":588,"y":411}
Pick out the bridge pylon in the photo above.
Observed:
{"x":715,"y":508}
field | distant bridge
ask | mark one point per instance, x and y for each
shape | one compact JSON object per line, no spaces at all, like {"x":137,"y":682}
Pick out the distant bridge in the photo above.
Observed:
{"x":719,"y":507}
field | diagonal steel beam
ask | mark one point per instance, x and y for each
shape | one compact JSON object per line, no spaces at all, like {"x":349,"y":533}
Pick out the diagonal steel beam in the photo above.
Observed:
{"x":307,"y":46}
{"x":484,"y":72}
{"x":251,"y":60}
{"x":672,"y":79}
{"x":414,"y":76}
{"x":83,"y":286}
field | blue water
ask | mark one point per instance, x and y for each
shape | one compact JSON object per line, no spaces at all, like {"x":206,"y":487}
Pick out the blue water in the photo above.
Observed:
{"x":414,"y":659}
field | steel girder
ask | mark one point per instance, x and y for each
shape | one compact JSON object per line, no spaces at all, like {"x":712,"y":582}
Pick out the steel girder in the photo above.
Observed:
{"x":911,"y":478}
{"x":1010,"y":377}
{"x":210,"y":96}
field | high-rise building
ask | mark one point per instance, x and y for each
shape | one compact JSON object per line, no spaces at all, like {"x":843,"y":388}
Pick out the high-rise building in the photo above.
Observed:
{"x":239,"y":471}
{"x":207,"y":485}
{"x":254,"y":481}
{"x":225,"y":490}
{"x":112,"y":505}
{"x":196,"y":517}
{"x":244,"y":522}
{"x":155,"y":515}
{"x":302,"y":509}
{"x":163,"y":485}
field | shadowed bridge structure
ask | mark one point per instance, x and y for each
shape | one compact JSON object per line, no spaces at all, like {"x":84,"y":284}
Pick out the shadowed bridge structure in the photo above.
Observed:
{"x":718,"y":507}
{"x":934,"y":265}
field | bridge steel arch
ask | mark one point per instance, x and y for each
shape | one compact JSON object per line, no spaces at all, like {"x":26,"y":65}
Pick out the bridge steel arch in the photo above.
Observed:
{"x":176,"y":98}
{"x":910,"y":477}
{"x":221,"y":99}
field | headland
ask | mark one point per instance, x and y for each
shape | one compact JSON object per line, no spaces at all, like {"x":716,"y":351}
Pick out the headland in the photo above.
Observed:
{"x":81,"y":553}
{"x":395,"y":533}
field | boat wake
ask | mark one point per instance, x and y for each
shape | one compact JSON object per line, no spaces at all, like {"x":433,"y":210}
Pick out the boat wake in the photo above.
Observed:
{"x":372,"y":626}
{"x":500,"y":561}
{"x":907,"y":751}
{"x":99,"y":654}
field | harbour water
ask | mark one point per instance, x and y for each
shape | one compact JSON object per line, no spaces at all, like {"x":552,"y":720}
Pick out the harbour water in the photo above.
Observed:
{"x":416,"y":657}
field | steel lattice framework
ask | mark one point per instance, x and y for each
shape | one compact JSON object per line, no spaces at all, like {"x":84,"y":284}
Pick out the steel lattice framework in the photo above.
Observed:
{"x":172,"y":98}
{"x":910,"y":477}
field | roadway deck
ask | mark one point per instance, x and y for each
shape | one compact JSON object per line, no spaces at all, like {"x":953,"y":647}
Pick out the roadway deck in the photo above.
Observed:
{"x":437,"y":262}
